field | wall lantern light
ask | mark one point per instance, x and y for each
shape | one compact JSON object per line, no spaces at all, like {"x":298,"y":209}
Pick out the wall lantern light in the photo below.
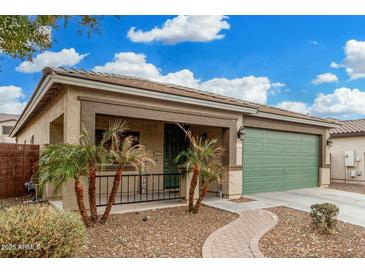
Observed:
{"x":329,"y":142}
{"x":241,"y":133}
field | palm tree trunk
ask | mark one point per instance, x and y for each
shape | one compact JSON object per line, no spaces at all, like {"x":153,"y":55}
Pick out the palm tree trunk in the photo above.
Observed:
{"x":193,"y":184}
{"x":202,"y":194}
{"x":80,"y":201}
{"x":92,"y":192}
{"x":116,"y":182}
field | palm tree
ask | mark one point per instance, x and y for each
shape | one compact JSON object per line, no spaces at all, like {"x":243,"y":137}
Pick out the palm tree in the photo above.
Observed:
{"x":213,"y":172}
{"x":124,"y":153}
{"x":59,"y":163}
{"x":97,"y":156}
{"x":200,"y":152}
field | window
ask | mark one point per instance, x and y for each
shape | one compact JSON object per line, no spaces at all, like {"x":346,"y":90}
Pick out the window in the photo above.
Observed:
{"x":6,"y":130}
{"x":134,"y":134}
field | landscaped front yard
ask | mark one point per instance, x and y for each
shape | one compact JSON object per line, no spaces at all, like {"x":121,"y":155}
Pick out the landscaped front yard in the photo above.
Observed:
{"x":295,"y":236}
{"x":170,"y":232}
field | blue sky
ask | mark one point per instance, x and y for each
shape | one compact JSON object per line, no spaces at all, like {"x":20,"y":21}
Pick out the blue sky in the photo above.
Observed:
{"x":265,"y":59}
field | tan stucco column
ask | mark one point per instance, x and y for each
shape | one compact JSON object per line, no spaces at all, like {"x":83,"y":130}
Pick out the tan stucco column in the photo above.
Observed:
{"x":233,"y":188}
{"x":325,"y":170}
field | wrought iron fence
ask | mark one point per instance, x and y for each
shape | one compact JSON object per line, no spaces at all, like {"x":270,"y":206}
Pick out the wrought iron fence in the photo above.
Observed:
{"x":138,"y":188}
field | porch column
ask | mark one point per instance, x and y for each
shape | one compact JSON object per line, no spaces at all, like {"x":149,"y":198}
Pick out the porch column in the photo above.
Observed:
{"x":233,"y":188}
{"x":88,"y":119}
{"x":229,"y":142}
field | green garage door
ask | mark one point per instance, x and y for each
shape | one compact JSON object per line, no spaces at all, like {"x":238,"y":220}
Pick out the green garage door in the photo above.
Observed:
{"x":278,"y":160}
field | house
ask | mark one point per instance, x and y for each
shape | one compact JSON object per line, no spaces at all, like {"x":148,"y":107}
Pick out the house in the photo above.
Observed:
{"x":7,"y":121}
{"x":267,"y":148}
{"x":348,"y":152}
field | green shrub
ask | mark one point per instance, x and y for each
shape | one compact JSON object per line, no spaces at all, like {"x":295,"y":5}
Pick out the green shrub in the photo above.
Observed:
{"x":324,"y":216}
{"x":40,"y":231}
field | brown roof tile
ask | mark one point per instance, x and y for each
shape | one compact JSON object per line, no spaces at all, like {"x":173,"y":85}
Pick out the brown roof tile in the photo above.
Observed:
{"x":8,"y":117}
{"x":173,"y":89}
{"x":349,"y":128}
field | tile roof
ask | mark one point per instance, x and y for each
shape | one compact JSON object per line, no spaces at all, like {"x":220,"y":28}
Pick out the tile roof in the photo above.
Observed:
{"x":349,"y":128}
{"x":136,"y":82}
{"x":7,"y":117}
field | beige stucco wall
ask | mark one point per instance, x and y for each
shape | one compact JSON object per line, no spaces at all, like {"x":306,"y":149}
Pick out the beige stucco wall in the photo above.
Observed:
{"x":40,"y":125}
{"x":4,"y":138}
{"x":338,"y":170}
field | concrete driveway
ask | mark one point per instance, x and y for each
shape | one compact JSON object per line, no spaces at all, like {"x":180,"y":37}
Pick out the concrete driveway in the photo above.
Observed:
{"x":351,"y":205}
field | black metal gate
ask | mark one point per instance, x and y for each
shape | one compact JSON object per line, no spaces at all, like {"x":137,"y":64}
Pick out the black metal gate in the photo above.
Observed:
{"x":138,"y":188}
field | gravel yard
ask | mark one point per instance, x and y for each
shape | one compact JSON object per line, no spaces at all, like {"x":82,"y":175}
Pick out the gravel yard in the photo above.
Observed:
{"x":295,"y":236}
{"x":242,"y":200}
{"x":171,"y":232}
{"x":349,"y":187}
{"x":14,"y":201}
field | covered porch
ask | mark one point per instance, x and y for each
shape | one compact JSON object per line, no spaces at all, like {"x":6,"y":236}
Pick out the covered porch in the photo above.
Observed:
{"x":163,"y":180}
{"x":156,"y":128}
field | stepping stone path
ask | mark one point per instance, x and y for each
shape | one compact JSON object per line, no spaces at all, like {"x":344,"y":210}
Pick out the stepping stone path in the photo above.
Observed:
{"x":240,"y":238}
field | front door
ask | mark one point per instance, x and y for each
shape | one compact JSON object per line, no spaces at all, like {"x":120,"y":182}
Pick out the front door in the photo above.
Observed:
{"x":174,"y":143}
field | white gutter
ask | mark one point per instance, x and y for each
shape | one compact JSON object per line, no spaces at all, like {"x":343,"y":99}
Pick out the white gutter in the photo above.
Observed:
{"x":147,"y":93}
{"x":293,"y":119}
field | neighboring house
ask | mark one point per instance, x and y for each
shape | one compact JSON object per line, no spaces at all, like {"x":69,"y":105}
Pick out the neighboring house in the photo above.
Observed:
{"x":347,"y":152}
{"x":267,"y":149}
{"x":7,"y":121}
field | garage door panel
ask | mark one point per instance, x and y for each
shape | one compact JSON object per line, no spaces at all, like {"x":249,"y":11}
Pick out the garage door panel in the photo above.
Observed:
{"x":310,"y":160}
{"x":276,"y":160}
{"x":274,"y":171}
{"x":292,"y":159}
{"x":253,"y":147}
{"x":273,"y":160}
{"x":254,"y":172}
{"x":274,"y":148}
{"x":293,"y":149}
{"x":255,"y":160}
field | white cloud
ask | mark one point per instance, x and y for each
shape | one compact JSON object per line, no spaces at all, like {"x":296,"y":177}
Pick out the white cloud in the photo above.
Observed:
{"x":295,"y":106}
{"x":324,"y":78}
{"x":11,"y":99}
{"x":65,"y":57}
{"x":313,"y":42}
{"x":354,"y":62}
{"x":342,"y":101}
{"x":130,"y":63}
{"x":277,"y":88}
{"x":250,"y":88}
{"x":335,"y":65}
{"x":183,"y":77}
{"x":183,"y":28}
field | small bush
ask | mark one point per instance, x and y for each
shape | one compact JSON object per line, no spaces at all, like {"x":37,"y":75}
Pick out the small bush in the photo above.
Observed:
{"x":40,"y":231}
{"x":324,"y":216}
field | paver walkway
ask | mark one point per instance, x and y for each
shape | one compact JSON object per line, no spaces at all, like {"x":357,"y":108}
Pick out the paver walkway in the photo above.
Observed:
{"x":240,"y":238}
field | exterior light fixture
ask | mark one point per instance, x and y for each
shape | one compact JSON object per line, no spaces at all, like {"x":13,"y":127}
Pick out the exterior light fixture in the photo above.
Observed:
{"x":329,"y":141}
{"x":241,"y":133}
